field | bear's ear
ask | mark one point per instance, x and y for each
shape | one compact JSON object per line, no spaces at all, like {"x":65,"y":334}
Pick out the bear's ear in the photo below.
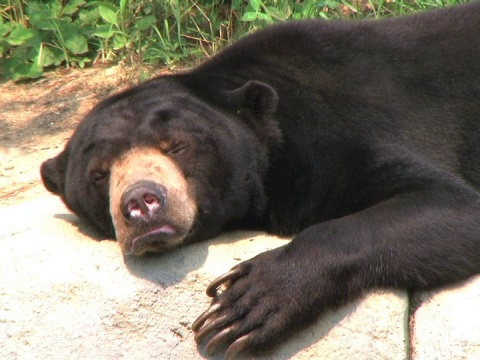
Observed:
{"x":255,"y":99}
{"x":256,"y":102}
{"x":53,"y":173}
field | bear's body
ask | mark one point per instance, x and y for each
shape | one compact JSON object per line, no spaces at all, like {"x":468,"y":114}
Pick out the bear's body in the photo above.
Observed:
{"x":362,"y":137}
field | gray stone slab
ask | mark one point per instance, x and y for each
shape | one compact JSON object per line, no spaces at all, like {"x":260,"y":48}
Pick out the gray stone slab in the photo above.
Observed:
{"x":64,"y":295}
{"x":446,"y":324}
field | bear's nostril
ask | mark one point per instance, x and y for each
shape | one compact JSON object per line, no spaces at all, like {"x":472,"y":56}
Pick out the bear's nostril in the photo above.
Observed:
{"x":151,"y":201}
{"x":133,"y":209}
{"x":143,"y":200}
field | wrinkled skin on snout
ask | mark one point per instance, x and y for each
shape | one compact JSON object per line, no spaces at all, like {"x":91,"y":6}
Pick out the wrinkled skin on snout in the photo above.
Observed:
{"x":156,"y":167}
{"x":151,"y":205}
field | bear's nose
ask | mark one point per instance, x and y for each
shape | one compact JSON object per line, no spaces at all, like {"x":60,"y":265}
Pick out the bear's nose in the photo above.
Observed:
{"x":142,"y":200}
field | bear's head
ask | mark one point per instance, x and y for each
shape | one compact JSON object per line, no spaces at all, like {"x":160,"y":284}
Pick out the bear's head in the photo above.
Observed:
{"x":163,"y":164}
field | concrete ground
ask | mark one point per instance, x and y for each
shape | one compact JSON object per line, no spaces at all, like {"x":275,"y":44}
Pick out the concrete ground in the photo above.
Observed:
{"x":65,"y":294}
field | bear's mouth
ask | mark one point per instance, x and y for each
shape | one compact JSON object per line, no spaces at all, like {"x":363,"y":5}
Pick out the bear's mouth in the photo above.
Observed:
{"x":156,"y":240}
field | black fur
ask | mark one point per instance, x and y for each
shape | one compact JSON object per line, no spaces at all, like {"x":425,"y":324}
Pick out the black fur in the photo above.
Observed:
{"x":363,"y":137}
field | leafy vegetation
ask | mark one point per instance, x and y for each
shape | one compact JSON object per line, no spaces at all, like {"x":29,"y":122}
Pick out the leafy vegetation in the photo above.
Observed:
{"x":37,"y":35}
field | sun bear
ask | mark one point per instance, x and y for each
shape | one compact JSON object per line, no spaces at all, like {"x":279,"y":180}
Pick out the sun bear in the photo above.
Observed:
{"x":360,"y":138}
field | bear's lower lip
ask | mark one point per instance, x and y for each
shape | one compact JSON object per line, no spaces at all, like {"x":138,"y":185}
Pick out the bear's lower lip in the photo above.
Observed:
{"x":161,"y":231}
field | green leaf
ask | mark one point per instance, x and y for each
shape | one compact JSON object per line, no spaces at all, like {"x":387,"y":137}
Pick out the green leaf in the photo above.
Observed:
{"x":97,"y":4}
{"x":108,"y":15}
{"x":72,"y":6}
{"x":45,"y":57}
{"x":40,"y":15}
{"x":104,"y":31}
{"x":82,"y":61}
{"x":19,"y":35}
{"x":53,"y":56}
{"x":119,"y":41}
{"x":88,"y":17}
{"x":56,"y":8}
{"x":123,"y":5}
{"x":236,"y":4}
{"x":5,"y":29}
{"x":45,"y":24}
{"x":280,"y":14}
{"x":26,"y":71}
{"x":4,"y":46}
{"x":76,"y":43}
{"x":249,"y":16}
{"x":36,"y":40}
{"x":255,"y":4}
{"x":332,"y":4}
{"x":266,"y":17}
{"x":145,"y":23}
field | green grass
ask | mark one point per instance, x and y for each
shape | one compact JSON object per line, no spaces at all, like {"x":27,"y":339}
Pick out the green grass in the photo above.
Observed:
{"x":39,"y":35}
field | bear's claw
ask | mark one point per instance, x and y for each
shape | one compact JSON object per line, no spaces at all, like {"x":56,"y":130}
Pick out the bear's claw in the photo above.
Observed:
{"x":197,"y":324}
{"x":237,"y":347}
{"x":225,"y":278}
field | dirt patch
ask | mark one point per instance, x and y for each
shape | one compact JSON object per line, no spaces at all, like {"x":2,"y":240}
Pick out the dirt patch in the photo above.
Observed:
{"x":36,"y":119}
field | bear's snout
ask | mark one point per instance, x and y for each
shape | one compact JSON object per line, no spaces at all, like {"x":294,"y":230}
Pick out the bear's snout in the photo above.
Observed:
{"x":150,"y":202}
{"x":143,"y":200}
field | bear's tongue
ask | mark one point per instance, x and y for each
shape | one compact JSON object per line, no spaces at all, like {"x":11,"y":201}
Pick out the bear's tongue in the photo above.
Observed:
{"x":164,"y":229}
{"x":149,"y":237}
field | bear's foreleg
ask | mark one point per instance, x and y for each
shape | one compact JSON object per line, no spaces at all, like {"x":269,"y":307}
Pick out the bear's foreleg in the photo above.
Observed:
{"x":422,"y":234}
